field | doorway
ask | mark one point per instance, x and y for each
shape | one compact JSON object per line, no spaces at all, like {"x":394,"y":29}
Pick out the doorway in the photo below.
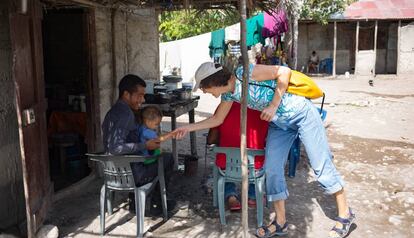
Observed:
{"x":68,"y":78}
{"x":386,"y":61}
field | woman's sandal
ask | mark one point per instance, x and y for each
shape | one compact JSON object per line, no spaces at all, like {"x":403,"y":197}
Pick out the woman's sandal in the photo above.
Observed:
{"x":279,"y":231}
{"x":346,"y":225}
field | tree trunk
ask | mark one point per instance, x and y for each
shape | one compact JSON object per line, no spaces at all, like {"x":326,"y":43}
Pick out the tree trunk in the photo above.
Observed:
{"x":295,"y":30}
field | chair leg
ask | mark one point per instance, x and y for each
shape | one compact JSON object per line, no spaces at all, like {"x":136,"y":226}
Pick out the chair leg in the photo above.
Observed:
{"x":220,"y":196}
{"x":109,"y":200}
{"x":205,"y":157}
{"x":259,"y":200}
{"x":102,"y":207}
{"x":163,"y":190}
{"x":215,"y":177}
{"x":140,"y":210}
{"x":163,"y":193}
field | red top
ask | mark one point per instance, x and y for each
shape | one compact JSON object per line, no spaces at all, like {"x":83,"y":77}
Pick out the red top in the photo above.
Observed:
{"x":230,"y":134}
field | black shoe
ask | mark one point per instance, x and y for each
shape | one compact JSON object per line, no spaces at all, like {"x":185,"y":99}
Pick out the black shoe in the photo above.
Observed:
{"x":156,"y":208}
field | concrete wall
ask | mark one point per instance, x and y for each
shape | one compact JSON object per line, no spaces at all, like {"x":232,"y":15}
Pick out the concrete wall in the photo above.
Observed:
{"x":365,"y":62}
{"x":318,"y":37}
{"x":12,"y":206}
{"x":136,"y":49}
{"x":406,"y":54}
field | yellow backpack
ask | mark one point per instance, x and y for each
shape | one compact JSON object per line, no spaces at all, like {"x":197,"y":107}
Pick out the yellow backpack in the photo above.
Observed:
{"x":302,"y":85}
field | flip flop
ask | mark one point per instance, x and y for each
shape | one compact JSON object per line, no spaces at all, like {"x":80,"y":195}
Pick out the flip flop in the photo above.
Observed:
{"x":251,"y":203}
{"x":236,"y":206}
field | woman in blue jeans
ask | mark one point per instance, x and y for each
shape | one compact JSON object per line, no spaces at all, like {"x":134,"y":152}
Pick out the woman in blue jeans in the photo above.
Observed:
{"x":289,"y":116}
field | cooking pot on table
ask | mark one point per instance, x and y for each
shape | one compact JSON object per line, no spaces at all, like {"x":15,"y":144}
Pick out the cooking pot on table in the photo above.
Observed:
{"x":183,"y":93}
{"x":160,"y":89}
{"x":172,"y":78}
{"x":167,"y":97}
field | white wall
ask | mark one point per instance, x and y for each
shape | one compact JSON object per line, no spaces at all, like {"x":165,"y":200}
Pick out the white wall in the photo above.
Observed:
{"x":406,"y":54}
{"x":186,"y":53}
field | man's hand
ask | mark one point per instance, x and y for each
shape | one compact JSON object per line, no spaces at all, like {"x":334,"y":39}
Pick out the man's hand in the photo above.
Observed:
{"x":153,"y":144}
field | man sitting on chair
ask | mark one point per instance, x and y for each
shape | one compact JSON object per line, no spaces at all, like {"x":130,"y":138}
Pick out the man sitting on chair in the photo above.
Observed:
{"x":120,"y":137}
{"x":313,"y":63}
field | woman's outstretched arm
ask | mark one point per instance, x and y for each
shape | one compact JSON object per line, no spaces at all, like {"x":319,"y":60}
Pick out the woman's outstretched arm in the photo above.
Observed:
{"x":214,"y":121}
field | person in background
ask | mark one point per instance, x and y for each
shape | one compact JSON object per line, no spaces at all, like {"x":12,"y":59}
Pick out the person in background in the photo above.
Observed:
{"x":313,"y":62}
{"x":120,"y":137}
{"x":283,"y":59}
{"x":228,"y":135}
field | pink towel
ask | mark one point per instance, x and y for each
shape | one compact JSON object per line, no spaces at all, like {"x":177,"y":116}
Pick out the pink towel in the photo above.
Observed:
{"x":275,"y":24}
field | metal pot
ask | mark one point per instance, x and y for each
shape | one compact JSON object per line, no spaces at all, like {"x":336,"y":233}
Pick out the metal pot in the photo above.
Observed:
{"x":172,"y":79}
{"x":166,"y":97}
{"x":160,"y":89}
{"x":183,"y":94}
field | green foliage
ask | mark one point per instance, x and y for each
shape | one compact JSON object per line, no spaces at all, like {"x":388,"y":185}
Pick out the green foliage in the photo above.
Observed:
{"x":321,"y":10}
{"x":177,"y":25}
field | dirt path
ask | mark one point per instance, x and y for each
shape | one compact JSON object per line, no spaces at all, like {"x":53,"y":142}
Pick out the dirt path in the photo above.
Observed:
{"x":371,"y":135}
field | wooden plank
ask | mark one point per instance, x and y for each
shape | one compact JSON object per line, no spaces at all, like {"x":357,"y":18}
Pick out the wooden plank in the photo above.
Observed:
{"x":92,"y":104}
{"x":113,"y":58}
{"x":375,"y":47}
{"x":356,"y":45}
{"x":334,"y":51}
{"x":398,"y":47}
{"x":26,"y":38}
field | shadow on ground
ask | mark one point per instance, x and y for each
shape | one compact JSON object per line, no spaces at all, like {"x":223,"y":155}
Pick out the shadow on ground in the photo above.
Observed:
{"x":308,"y":209}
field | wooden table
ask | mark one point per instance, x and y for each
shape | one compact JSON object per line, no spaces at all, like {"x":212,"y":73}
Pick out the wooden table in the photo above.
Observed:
{"x":174,"y":110}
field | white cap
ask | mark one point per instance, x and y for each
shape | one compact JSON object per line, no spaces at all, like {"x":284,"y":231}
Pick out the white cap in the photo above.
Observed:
{"x":204,"y":70}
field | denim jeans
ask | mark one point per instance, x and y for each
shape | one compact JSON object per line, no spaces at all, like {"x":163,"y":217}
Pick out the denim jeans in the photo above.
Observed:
{"x":231,"y":190}
{"x":308,"y":125}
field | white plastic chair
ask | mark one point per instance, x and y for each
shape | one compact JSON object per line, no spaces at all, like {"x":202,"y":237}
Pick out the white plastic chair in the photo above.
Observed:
{"x":233,"y":174}
{"x":118,"y":177}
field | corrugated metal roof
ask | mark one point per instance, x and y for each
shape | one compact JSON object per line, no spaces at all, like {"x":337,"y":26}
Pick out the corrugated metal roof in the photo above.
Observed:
{"x":380,"y":9}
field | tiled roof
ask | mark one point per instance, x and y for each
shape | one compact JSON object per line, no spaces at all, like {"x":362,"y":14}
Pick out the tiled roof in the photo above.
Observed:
{"x":380,"y":9}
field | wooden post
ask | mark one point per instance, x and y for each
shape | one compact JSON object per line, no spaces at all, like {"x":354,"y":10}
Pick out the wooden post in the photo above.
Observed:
{"x":243,"y":117}
{"x":398,"y":46}
{"x":356,"y":46}
{"x":113,"y":52}
{"x":334,"y":52}
{"x":375,"y":47}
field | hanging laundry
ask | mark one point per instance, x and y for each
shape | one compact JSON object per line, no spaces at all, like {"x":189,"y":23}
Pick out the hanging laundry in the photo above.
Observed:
{"x":274,"y":24}
{"x":254,"y":30}
{"x":232,"y":33}
{"x":217,"y":45}
{"x":234,"y":49}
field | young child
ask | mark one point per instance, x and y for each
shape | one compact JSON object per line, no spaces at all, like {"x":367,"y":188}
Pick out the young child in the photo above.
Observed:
{"x":149,"y":120}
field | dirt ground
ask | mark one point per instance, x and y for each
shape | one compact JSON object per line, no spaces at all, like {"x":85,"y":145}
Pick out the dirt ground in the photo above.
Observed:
{"x":371,"y":136}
